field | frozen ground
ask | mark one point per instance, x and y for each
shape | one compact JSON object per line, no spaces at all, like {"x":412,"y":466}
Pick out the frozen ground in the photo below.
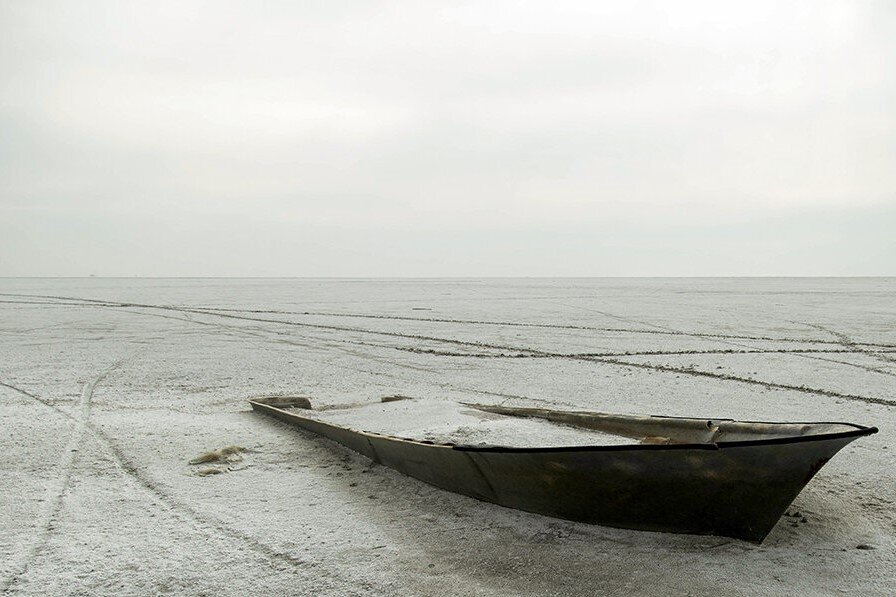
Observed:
{"x":109,"y":386}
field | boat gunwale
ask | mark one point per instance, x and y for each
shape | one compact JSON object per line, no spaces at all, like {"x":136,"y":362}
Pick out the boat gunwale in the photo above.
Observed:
{"x":858,"y":431}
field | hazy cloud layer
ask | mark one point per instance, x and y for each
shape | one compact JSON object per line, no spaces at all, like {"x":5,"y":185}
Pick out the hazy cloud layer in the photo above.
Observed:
{"x":561,"y":138}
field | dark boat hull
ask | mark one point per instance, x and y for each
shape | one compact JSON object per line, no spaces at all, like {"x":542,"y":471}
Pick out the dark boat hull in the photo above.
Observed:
{"x":737,"y":489}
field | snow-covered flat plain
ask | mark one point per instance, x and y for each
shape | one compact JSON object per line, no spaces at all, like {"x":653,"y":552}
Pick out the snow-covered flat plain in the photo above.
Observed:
{"x":108,"y":387}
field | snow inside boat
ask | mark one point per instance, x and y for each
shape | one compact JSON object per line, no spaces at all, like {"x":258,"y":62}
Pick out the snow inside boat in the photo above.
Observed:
{"x":681,"y":475}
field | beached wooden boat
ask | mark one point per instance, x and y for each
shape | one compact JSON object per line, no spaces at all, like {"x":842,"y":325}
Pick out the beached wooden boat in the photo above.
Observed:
{"x":681,"y":475}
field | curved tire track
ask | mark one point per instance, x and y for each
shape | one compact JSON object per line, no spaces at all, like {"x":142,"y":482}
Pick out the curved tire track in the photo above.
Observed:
{"x":661,"y":368}
{"x":848,"y":342}
{"x":658,"y":329}
{"x":164,"y":499}
{"x":745,"y":380}
{"x":535,"y":352}
{"x":66,"y":465}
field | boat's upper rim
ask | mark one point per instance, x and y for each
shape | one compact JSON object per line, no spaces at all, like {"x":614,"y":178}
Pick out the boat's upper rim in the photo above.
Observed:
{"x":266,"y":402}
{"x":719,"y":419}
{"x":794,"y":439}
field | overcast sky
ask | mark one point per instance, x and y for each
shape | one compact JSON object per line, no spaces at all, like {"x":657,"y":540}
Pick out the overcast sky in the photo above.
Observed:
{"x":441,"y":139}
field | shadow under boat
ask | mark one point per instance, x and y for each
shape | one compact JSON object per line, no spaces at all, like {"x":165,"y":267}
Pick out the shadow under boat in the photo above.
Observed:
{"x":684,"y":475}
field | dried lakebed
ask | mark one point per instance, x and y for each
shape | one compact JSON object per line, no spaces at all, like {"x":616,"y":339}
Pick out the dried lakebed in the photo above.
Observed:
{"x":110,"y":387}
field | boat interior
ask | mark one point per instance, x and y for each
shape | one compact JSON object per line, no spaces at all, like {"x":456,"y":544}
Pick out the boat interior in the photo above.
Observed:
{"x":673,"y":430}
{"x":643,"y":429}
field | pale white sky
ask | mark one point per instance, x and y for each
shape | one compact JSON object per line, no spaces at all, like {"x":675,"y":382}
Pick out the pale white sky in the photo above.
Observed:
{"x":447,"y":139}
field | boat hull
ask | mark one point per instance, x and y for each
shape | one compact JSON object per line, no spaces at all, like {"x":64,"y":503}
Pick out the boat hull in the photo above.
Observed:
{"x":738,"y":489}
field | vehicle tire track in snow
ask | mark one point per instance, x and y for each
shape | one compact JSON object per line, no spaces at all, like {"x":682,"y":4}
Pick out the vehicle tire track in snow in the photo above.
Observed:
{"x":848,"y":342}
{"x":659,"y":329}
{"x":867,"y":368}
{"x":234,"y":331}
{"x":59,"y":486}
{"x":661,"y":368}
{"x":184,"y":310}
{"x":522,"y":355}
{"x":28,"y":394}
{"x":518,"y":352}
{"x":730,"y":341}
{"x":177,"y":508}
{"x":624,"y":319}
{"x":46,"y":515}
{"x":358,"y":354}
{"x":808,"y":353}
{"x":522,"y":352}
{"x":745,"y":380}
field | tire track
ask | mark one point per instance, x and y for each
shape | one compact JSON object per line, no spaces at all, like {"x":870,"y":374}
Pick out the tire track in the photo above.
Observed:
{"x":730,"y":341}
{"x":44,"y":303}
{"x":46,"y":403}
{"x":848,"y":342}
{"x":359,"y":354}
{"x":60,"y":486}
{"x":183,"y":310}
{"x":661,"y":368}
{"x":234,"y":331}
{"x":806,"y":353}
{"x":659,"y":329}
{"x":61,"y":324}
{"x":517,"y":352}
{"x":169,"y":503}
{"x":522,"y":355}
{"x":622,"y":319}
{"x":367,"y":356}
{"x":745,"y":380}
